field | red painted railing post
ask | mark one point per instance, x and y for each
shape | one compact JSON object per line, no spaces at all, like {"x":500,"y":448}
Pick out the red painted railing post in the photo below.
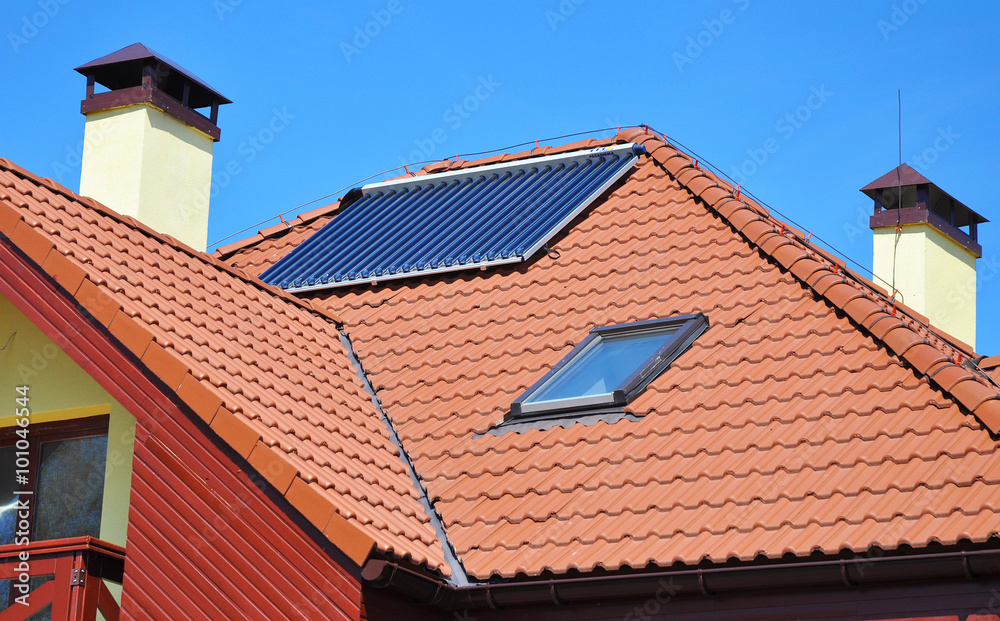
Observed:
{"x":78,"y":567}
{"x":87,"y":587}
{"x":63,"y":594}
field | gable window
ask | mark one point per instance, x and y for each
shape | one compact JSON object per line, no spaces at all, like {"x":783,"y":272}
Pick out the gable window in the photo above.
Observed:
{"x":612,"y":366}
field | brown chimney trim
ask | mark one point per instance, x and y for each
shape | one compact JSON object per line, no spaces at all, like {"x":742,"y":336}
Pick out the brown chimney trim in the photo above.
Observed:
{"x":139,"y":95}
{"x":920,"y":215}
{"x":139,"y":52}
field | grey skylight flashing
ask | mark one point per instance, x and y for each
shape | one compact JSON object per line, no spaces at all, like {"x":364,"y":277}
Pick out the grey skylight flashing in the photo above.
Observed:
{"x":689,"y":327}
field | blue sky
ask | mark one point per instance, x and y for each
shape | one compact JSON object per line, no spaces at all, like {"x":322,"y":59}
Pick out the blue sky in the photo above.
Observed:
{"x":797,"y":100}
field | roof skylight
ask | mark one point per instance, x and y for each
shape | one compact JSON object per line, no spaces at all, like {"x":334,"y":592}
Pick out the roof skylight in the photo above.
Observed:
{"x":613,"y":365}
{"x":487,"y":215}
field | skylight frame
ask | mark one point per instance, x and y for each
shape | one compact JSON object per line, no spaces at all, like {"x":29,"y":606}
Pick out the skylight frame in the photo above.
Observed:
{"x":581,"y":193}
{"x":689,"y":328}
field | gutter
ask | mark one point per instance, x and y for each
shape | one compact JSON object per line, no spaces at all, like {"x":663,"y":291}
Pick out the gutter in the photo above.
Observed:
{"x":843,"y":573}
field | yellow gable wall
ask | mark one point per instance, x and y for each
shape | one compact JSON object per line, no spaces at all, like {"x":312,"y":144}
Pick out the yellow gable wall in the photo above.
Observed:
{"x":58,"y":390}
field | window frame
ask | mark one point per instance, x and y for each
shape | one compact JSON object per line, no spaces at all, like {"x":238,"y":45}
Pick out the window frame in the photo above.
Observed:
{"x":40,"y":433}
{"x":689,"y":327}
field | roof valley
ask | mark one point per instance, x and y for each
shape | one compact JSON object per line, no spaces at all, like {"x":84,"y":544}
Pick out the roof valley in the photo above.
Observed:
{"x":459,"y":577}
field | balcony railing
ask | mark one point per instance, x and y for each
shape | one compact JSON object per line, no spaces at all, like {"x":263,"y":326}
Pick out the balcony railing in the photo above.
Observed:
{"x":76,"y":569}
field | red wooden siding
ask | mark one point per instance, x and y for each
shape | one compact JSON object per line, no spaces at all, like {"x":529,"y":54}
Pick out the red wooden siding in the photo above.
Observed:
{"x":202,"y":538}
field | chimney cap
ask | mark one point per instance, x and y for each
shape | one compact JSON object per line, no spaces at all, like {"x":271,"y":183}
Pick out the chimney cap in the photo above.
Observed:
{"x":122,"y":69}
{"x":907,"y":176}
{"x":904,"y":196}
{"x":138,"y":75}
{"x":935,"y":199}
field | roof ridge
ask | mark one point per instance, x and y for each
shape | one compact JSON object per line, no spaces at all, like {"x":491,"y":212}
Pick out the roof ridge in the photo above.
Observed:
{"x":168,"y":240}
{"x":926,"y":349}
{"x":276,"y":230}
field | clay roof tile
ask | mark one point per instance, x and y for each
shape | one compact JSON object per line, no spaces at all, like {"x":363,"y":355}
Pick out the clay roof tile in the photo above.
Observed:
{"x":782,"y":393}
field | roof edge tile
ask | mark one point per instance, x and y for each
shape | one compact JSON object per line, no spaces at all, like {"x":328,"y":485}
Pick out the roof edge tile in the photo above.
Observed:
{"x":805,"y":268}
{"x":973,"y":392}
{"x":235,"y":431}
{"x":68,"y":274}
{"x":989,"y":413}
{"x":31,"y":242}
{"x":275,"y":470}
{"x":9,"y":217}
{"x":349,"y":539}
{"x":901,"y":339}
{"x":165,"y":365}
{"x":950,"y":375}
{"x":133,"y":336}
{"x":97,"y":301}
{"x":201,"y":399}
{"x":315,"y":508}
{"x":925,"y":356}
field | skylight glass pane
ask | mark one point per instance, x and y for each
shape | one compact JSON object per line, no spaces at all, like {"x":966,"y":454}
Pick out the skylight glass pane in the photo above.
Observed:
{"x":604,"y":365}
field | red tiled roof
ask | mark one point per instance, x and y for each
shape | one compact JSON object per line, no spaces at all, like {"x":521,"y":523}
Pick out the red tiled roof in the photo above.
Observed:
{"x":274,"y":242}
{"x":992,"y":366}
{"x":267,"y":372}
{"x":809,"y":418}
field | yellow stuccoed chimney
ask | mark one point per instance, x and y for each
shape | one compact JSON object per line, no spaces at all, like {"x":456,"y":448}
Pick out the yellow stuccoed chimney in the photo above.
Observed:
{"x":147,"y":149}
{"x":926,"y":247}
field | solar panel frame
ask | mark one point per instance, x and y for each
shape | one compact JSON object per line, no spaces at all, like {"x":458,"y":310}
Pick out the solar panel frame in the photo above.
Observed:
{"x":475,"y":217}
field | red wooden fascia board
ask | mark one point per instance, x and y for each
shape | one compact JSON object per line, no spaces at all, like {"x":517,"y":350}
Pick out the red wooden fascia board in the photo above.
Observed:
{"x":46,"y":305}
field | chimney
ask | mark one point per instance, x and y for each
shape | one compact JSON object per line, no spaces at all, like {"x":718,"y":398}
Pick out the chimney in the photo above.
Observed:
{"x":147,"y":149}
{"x":926,"y":244}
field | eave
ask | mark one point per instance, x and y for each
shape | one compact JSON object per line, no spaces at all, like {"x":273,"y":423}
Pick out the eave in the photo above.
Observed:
{"x":862,"y":572}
